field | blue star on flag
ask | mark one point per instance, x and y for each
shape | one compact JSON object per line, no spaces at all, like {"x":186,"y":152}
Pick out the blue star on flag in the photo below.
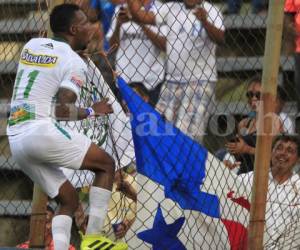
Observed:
{"x":162,"y":235}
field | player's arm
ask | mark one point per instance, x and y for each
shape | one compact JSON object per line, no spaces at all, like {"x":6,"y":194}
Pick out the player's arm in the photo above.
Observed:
{"x":139,"y":15}
{"x":66,"y":110}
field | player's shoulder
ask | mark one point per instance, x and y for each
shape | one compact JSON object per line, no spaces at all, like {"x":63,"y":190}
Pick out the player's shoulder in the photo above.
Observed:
{"x":36,"y":43}
{"x":47,"y":45}
{"x":76,"y":61}
{"x":60,"y":50}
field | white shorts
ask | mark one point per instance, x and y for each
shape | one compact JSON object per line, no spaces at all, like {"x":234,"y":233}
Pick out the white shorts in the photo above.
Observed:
{"x":188,"y":105}
{"x":44,"y":148}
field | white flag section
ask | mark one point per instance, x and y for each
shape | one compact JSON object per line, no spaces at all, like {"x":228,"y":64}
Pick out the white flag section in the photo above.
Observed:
{"x":198,"y":231}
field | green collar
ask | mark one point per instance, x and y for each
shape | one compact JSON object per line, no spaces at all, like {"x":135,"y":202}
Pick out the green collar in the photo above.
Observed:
{"x":59,"y":39}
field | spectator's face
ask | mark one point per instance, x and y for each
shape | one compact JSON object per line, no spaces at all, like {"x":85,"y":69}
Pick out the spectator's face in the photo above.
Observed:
{"x":284,"y":155}
{"x":82,"y":30}
{"x":253,"y":95}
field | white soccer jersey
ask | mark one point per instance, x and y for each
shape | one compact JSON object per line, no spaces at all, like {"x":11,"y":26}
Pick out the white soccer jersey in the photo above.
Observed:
{"x":45,"y":65}
{"x":138,"y":58}
{"x":190,"y":52}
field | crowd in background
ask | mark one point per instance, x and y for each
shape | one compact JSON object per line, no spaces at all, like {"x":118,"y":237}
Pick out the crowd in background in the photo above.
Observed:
{"x":170,"y":48}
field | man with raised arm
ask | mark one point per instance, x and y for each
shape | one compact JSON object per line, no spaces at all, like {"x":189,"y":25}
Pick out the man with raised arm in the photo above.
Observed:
{"x":194,"y":27}
{"x":50,"y":71}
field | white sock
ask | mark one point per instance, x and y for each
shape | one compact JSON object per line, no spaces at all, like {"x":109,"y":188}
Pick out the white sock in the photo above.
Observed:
{"x":99,"y":199}
{"x":61,"y":231}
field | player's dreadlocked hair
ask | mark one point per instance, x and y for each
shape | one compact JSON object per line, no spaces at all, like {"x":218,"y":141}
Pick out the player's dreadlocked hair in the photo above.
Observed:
{"x":61,"y":17}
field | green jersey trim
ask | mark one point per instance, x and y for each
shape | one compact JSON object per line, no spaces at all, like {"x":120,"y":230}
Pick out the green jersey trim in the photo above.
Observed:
{"x":64,"y":132}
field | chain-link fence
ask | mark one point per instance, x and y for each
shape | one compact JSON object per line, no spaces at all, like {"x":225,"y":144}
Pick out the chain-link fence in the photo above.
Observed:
{"x":201,"y":69}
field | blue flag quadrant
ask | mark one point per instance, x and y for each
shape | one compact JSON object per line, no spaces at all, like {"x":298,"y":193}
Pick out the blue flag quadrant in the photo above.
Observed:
{"x":168,"y":156}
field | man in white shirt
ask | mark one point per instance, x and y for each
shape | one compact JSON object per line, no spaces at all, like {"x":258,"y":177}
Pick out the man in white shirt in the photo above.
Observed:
{"x":194,"y":28}
{"x":283,"y":199}
{"x":51,"y":71}
{"x":141,"y":49}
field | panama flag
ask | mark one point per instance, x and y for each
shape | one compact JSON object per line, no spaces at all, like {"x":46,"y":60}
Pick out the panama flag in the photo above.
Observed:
{"x":187,"y":199}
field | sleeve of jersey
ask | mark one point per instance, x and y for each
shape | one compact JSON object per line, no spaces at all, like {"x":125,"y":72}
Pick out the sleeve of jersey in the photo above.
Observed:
{"x":74,"y":78}
{"x":289,"y":6}
{"x":161,"y":14}
{"x":162,"y":29}
{"x":215,"y":16}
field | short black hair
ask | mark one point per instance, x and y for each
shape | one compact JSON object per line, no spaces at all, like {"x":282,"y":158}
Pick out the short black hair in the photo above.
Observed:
{"x":281,"y":94}
{"x":257,"y":78}
{"x":61,"y":17}
{"x":288,"y":138}
{"x":140,"y":87}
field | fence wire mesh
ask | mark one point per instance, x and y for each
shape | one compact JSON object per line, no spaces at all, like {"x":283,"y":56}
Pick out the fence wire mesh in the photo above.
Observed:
{"x":202,"y":76}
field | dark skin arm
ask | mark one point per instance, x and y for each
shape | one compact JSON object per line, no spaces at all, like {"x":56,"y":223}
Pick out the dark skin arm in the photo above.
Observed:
{"x":65,"y":109}
{"x":215,"y":34}
{"x":139,"y":15}
{"x":148,"y":17}
{"x":240,"y":147}
{"x":123,"y":17}
{"x":159,"y":41}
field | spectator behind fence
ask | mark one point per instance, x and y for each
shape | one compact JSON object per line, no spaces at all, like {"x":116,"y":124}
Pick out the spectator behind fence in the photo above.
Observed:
{"x":141,"y":49}
{"x":292,"y":35}
{"x":242,"y":146}
{"x":96,"y":43}
{"x":49,"y":244}
{"x":105,"y":10}
{"x":281,"y":99}
{"x":99,"y":14}
{"x":283,"y":206}
{"x":194,"y":29}
{"x":234,"y":6}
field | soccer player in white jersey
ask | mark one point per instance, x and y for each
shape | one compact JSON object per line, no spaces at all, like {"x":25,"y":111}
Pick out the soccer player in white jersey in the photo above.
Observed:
{"x":194,"y":29}
{"x":50,"y":71}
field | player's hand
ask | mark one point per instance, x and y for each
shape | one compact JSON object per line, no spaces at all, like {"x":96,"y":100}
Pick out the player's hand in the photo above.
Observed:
{"x":126,"y":188}
{"x":123,"y":16}
{"x":201,"y":14}
{"x":102,"y":107}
